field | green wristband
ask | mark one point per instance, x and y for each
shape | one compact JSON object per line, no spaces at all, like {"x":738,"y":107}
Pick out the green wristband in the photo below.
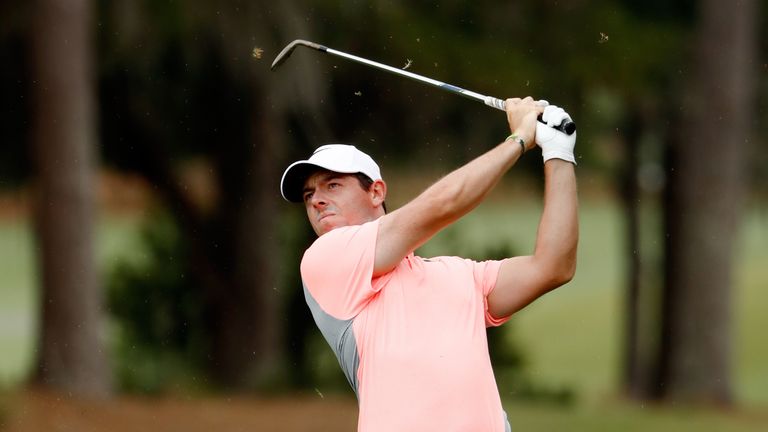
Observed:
{"x":518,"y":140}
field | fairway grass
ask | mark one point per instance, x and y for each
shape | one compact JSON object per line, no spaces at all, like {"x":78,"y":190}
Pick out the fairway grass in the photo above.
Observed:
{"x":751,"y":311}
{"x":18,"y":300}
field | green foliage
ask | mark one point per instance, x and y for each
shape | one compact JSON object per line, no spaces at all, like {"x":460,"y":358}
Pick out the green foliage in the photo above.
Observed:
{"x":323,"y":373}
{"x":146,"y":369}
{"x":162,"y":334}
{"x":512,"y":369}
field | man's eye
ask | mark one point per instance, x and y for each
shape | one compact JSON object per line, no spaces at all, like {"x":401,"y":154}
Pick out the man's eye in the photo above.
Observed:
{"x":307,"y":196}
{"x":333,"y":185}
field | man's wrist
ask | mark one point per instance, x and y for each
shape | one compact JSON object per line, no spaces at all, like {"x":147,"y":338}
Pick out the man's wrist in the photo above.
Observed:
{"x":519,"y":140}
{"x":526,"y":135}
{"x":560,"y":154}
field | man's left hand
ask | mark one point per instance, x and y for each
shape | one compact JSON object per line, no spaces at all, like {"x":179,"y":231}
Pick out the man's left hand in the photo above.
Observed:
{"x":554,"y":143}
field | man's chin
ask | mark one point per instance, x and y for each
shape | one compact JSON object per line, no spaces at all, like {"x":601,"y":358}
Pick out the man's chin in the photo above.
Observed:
{"x":324,"y":227}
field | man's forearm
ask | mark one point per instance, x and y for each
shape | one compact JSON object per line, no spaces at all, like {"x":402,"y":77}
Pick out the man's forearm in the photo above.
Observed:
{"x":462,"y":190}
{"x":410,"y":226}
{"x":557,"y":238}
{"x":453,"y":196}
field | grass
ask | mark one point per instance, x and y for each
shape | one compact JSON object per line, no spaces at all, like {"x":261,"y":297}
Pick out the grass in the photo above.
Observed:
{"x":571,"y":337}
{"x":751,"y":304}
{"x":17,"y":300}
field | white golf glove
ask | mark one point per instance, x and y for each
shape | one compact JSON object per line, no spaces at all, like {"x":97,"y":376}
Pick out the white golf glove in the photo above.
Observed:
{"x":555,"y":144}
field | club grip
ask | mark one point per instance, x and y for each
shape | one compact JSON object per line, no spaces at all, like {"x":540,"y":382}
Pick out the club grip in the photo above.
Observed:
{"x":567,"y":127}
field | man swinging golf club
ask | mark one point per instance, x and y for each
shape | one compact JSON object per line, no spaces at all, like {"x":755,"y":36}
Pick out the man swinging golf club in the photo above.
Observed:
{"x":409,"y":332}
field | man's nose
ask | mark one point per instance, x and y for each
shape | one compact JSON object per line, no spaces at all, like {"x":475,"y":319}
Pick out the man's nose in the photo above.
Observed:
{"x":318,"y":200}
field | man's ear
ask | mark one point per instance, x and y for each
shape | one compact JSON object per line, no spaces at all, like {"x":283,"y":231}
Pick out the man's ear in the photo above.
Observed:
{"x":378,"y":192}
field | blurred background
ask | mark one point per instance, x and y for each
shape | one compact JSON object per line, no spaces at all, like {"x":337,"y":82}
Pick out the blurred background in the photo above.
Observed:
{"x":149,"y":267}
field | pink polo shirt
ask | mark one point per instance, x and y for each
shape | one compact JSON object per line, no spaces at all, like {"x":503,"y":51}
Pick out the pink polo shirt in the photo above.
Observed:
{"x":417,"y":354}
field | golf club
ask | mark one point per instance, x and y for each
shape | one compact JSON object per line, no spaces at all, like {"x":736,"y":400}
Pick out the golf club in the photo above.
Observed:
{"x":567,"y":127}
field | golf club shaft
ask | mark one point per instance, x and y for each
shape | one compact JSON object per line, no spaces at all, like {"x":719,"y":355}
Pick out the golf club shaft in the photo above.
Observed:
{"x":488,"y":100}
{"x":567,"y":127}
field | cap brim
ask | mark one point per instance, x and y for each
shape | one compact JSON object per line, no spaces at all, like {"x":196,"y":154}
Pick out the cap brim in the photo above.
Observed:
{"x":292,"y":183}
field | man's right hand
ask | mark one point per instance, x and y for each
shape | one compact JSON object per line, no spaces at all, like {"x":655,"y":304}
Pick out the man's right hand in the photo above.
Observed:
{"x":521,"y":116}
{"x":555,"y":144}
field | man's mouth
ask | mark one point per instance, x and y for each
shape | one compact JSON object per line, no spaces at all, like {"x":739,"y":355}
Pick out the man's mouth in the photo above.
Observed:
{"x":323,"y":216}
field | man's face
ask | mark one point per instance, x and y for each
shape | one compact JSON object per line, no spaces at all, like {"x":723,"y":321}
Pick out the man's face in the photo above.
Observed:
{"x":335,"y":200}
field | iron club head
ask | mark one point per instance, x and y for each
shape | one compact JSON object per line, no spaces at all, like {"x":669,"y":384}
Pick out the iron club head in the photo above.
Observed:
{"x":288,"y":50}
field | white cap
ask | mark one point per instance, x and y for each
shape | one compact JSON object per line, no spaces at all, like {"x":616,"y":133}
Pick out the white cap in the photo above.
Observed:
{"x":340,"y":158}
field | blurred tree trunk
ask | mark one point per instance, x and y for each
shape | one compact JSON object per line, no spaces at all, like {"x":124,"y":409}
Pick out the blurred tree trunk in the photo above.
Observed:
{"x":642,"y":285}
{"x":71,"y":354}
{"x":635,"y":372}
{"x":706,"y":168}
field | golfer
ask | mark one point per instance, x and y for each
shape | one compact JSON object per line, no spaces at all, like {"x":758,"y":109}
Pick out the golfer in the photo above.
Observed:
{"x":409,"y":332}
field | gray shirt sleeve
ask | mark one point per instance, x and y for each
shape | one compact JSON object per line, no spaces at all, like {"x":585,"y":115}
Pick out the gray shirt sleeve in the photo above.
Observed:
{"x":338,"y":333}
